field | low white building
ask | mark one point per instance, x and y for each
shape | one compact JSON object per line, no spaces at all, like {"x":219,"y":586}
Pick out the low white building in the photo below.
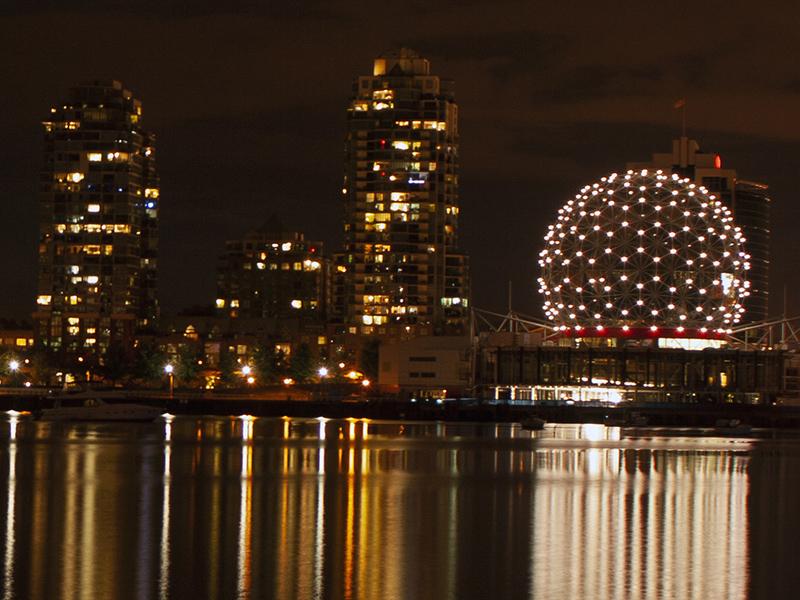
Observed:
{"x":427,"y":367}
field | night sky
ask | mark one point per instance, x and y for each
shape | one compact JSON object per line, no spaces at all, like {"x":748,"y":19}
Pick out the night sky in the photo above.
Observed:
{"x":247,"y":101}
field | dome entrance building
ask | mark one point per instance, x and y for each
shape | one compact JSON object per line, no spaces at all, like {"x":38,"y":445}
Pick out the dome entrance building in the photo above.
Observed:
{"x":643,"y":283}
{"x":644,"y":255}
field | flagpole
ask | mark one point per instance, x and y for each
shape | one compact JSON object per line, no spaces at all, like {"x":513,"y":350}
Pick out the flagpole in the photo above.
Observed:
{"x":682,"y":105}
{"x":683,"y":109}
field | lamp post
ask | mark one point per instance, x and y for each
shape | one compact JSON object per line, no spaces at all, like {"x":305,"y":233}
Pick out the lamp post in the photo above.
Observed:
{"x":169,"y":370}
{"x":323,"y":372}
{"x":14,"y":366}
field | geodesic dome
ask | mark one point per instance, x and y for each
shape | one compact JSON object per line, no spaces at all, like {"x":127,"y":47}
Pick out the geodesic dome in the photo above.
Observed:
{"x":644,"y":251}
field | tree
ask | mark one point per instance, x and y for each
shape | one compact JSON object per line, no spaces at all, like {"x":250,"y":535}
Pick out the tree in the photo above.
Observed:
{"x":41,"y":365}
{"x":149,"y":363}
{"x":116,"y":364}
{"x":227,"y":367}
{"x":190,"y":365}
{"x":301,"y":364}
{"x":266,"y":363}
{"x":369,"y":359}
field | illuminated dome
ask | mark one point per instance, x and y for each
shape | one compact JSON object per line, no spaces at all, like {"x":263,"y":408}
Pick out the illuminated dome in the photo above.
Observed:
{"x":643,"y":252}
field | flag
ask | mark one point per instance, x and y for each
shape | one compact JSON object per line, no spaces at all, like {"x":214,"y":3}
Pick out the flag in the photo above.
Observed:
{"x":679,"y":103}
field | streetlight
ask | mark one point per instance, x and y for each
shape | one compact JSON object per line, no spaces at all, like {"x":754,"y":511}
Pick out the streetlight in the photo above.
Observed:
{"x":323,"y":372}
{"x":169,"y":369}
{"x":14,"y":366}
{"x":246,"y":370}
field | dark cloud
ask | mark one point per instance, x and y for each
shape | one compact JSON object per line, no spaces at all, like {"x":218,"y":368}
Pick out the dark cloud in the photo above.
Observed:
{"x":247,"y":101}
{"x":171,"y":9}
{"x":693,"y":69}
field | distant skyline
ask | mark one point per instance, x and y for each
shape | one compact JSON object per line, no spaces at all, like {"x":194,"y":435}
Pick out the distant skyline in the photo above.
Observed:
{"x":248,"y":109}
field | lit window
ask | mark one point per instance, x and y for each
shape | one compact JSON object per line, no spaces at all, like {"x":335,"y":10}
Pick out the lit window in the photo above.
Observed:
{"x":76,"y":177}
{"x":220,"y":303}
{"x":400,"y":145}
{"x":297,"y":304}
{"x":44,"y":300}
{"x":286,"y":246}
{"x":297,"y":266}
{"x":93,"y":208}
{"x":151,"y":193}
{"x":95,"y":157}
{"x":234,"y":304}
{"x":92,"y":279}
{"x":322,"y":340}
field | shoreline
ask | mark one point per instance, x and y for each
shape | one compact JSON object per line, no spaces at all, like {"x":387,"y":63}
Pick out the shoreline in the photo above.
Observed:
{"x":685,"y":415}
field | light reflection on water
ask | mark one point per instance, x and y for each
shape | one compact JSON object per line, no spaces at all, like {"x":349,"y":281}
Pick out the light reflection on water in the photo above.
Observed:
{"x":313,"y":508}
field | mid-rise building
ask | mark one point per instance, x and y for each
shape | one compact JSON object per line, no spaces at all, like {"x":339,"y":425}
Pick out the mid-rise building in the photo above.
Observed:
{"x":400,"y":263}
{"x":748,"y":202}
{"x":98,"y":222}
{"x":273,"y":273}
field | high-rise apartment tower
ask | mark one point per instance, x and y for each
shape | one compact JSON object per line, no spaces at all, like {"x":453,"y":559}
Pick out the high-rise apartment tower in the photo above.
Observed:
{"x":98,"y":222}
{"x":401,"y":263}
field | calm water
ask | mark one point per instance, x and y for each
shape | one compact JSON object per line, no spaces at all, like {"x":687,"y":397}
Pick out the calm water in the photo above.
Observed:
{"x":294,"y":509}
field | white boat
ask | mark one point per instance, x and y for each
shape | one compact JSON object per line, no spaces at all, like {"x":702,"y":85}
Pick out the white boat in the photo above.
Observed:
{"x":95,"y":406}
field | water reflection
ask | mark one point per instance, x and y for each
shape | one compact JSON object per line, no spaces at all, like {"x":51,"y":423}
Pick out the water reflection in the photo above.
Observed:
{"x":315,"y":508}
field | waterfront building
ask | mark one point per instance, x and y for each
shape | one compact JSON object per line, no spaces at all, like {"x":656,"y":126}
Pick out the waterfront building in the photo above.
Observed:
{"x":98,"y":223}
{"x":644,"y":289}
{"x":400,"y":263}
{"x":273,"y":273}
{"x":749,"y":203}
{"x":427,"y":368}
